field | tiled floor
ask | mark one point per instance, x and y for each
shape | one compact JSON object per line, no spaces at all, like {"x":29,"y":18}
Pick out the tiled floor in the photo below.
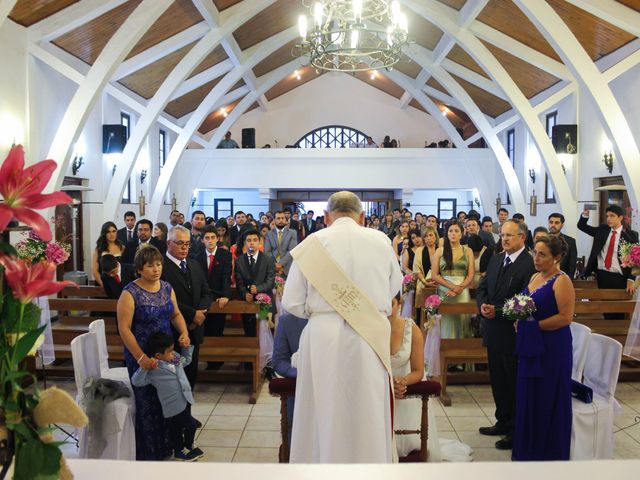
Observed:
{"x":235,"y":431}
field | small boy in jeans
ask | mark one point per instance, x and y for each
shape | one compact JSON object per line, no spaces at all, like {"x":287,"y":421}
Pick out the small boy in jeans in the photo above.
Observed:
{"x":174,"y":393}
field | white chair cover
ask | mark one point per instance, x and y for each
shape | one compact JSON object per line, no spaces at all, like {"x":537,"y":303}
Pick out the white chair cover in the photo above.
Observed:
{"x":118,"y":416}
{"x":580,"y":334}
{"x":632,"y":343}
{"x":592,"y":433}
{"x":407,"y":306}
{"x":265,"y":340}
{"x":432,"y":348}
{"x":119,"y":373}
{"x":47,"y":352}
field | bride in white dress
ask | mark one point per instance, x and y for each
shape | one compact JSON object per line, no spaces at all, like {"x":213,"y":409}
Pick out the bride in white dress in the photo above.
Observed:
{"x":407,"y":363}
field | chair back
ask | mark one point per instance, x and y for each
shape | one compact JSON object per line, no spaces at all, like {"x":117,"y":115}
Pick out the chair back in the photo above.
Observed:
{"x":602,"y":365}
{"x":97,"y":327}
{"x":580,"y":335}
{"x":84,"y":354}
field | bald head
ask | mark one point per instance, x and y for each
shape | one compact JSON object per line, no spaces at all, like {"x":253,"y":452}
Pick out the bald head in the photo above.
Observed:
{"x":344,"y":204}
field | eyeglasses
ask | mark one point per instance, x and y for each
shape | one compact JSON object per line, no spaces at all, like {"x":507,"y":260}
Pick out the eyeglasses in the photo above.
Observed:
{"x":181,"y":243}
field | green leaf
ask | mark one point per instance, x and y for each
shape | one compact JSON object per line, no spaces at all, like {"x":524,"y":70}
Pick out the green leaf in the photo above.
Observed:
{"x":50,"y":459}
{"x":29,"y":460}
{"x":31,"y":317}
{"x":8,"y":249}
{"x":27,"y":342}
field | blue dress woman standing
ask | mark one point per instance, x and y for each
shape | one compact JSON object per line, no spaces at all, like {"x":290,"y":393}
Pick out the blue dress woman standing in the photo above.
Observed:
{"x":544,"y":347}
{"x":146,"y":306}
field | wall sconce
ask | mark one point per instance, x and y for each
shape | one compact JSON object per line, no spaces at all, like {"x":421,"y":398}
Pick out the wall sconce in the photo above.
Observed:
{"x":477,"y":202}
{"x":174,"y":202}
{"x":142,"y":203}
{"x":193,"y":201}
{"x":143,"y":175}
{"x":498,"y":204}
{"x":76,"y":164}
{"x":113,"y":170}
{"x":608,"y":161}
{"x":533,"y":205}
{"x":532,"y":175}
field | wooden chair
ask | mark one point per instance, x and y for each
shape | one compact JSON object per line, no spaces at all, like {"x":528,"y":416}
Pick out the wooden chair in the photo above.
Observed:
{"x":286,"y":387}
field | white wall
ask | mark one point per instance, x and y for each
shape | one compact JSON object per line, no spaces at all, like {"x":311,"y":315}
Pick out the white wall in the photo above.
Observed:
{"x":338,"y":99}
{"x":13,"y":88}
{"x":246,"y":200}
{"x":426,"y":201}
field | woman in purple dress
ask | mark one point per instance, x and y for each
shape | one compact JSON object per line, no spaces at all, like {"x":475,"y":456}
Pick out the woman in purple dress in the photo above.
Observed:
{"x":544,"y":347}
{"x":148,"y":305}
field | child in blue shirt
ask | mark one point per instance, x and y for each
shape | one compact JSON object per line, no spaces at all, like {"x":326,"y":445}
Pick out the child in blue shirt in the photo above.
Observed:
{"x":174,"y":393}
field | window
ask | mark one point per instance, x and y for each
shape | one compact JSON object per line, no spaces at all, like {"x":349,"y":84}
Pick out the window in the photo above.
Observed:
{"x":511,"y":146}
{"x":446,"y":208}
{"x":549,"y":194}
{"x":162,"y":148}
{"x":125,"y":121}
{"x":222,"y":207}
{"x":334,"y":136}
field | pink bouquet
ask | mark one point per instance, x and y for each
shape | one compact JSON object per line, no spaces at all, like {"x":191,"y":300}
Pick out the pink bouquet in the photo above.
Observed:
{"x":630,"y":254}
{"x":408,"y":283}
{"x":279,"y":281}
{"x":263,"y":299}
{"x":432,"y":303}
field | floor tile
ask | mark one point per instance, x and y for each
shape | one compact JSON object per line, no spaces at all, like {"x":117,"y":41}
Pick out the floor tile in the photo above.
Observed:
{"x":234,"y":398}
{"x":266,"y":410}
{"x":463,"y":411}
{"x":469,"y":423}
{"x":475,"y":440}
{"x":262,"y":439}
{"x":219,"y":438}
{"x":233,"y":409}
{"x":202,"y":408}
{"x":444,"y":425}
{"x":256,"y":455}
{"x":217,"y":454}
{"x":491,"y":455}
{"x":263,"y":423}
{"x":226,"y":422}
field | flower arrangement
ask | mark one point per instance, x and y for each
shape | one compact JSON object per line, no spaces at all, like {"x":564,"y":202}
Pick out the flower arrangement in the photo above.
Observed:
{"x":279,"y":283}
{"x":518,"y":307}
{"x":630,"y":255}
{"x":264,"y":301}
{"x":33,"y":250}
{"x":22,"y":279}
{"x":432,"y":303}
{"x":408,"y":283}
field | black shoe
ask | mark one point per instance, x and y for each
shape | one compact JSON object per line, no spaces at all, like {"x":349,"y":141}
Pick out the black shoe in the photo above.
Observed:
{"x":505,"y":444}
{"x":495,"y":430}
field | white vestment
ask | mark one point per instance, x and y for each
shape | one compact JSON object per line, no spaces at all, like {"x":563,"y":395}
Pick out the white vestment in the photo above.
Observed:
{"x":343,"y":407}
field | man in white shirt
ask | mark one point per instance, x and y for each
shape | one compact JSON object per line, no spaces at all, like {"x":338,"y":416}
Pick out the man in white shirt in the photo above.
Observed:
{"x":343,"y":403}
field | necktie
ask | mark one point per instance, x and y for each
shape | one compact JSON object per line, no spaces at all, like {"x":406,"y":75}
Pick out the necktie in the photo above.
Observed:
{"x":211,"y":258}
{"x":252,"y":262}
{"x":129,"y":235}
{"x":118,"y":279}
{"x":507,"y":261}
{"x":609,"y":257}
{"x":183,"y":266}
{"x":279,"y":242}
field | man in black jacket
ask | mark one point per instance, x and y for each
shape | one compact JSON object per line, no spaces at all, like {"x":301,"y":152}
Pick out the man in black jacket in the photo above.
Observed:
{"x":507,"y":274}
{"x":128,"y":232}
{"x":192,"y":292}
{"x":569,"y":261}
{"x":144,"y":228}
{"x":115,"y":275}
{"x":604,"y":258}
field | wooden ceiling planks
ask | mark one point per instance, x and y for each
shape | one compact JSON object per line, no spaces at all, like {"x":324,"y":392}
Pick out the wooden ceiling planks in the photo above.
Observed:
{"x":506,"y":17}
{"x":381,"y":83}
{"x":273,"y":19}
{"x":432,"y":82}
{"x":416,"y":104}
{"x":530,"y":79}
{"x":216,"y":56}
{"x":280,"y":57}
{"x":215,"y":119}
{"x":409,"y":68}
{"x":178,"y":17}
{"x":87,"y":41}
{"x":422,"y":31}
{"x":146,"y":81}
{"x":487,"y":102}
{"x":290,"y":82}
{"x":457,"y":4}
{"x":28,"y":12}
{"x":597,"y":37}
{"x":634,"y":4}
{"x":224,"y":4}
{"x":188,"y":102}
{"x":458,"y":55}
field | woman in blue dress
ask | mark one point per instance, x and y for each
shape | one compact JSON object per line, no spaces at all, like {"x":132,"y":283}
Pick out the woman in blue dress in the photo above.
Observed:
{"x":148,"y":305}
{"x":544,"y":347}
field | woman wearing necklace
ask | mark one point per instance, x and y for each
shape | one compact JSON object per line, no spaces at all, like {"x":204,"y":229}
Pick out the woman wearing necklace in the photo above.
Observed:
{"x":544,"y":347}
{"x":453,"y":270}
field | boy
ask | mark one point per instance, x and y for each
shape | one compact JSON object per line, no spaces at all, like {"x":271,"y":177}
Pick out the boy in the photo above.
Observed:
{"x":174,"y":393}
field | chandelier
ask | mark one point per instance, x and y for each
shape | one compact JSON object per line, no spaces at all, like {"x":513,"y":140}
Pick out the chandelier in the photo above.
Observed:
{"x":352,"y":35}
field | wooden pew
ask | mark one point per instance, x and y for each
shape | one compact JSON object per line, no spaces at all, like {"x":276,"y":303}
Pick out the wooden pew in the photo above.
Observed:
{"x":218,"y":349}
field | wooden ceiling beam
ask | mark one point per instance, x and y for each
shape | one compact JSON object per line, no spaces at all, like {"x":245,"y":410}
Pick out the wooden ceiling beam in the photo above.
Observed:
{"x":203,"y":77}
{"x":615,"y":13}
{"x":70,"y":18}
{"x":229,"y":98}
{"x":5,"y":9}
{"x":443,"y":97}
{"x":475,"y":78}
{"x":623,"y":66}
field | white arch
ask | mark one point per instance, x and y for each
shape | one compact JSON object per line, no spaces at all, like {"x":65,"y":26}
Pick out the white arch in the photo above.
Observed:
{"x":127,"y":36}
{"x":156,"y":105}
{"x":5,"y":9}
{"x":254,"y":56}
{"x":444,"y":17}
{"x":594,"y":83}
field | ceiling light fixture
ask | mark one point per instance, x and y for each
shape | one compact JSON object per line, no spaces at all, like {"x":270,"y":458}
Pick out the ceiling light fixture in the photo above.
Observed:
{"x":352,"y":35}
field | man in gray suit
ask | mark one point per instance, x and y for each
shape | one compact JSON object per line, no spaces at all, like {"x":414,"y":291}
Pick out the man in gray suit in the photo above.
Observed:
{"x":279,"y":243}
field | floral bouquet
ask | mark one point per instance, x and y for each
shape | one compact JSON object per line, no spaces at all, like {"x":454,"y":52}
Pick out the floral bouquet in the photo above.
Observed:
{"x":432,"y":303}
{"x":23,"y":278}
{"x":518,"y":307}
{"x":33,"y":250}
{"x":279,"y":282}
{"x":264,"y":301}
{"x":630,"y":256}
{"x":408,"y":283}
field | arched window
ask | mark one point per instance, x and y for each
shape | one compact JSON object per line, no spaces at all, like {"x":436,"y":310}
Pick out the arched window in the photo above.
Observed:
{"x":334,"y":136}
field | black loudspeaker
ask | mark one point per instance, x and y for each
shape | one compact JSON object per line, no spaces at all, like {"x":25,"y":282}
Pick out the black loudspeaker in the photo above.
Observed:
{"x":248,"y":138}
{"x":565,"y":138}
{"x":114,"y":138}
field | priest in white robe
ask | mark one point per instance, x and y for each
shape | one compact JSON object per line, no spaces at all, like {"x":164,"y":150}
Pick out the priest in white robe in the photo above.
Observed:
{"x":343,"y":394}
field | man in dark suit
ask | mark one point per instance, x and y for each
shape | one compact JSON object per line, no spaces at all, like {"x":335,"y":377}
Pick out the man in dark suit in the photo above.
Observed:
{"x":198,"y":221}
{"x":115,"y":276}
{"x":216,"y":264}
{"x":255,"y":273}
{"x":472,"y":227}
{"x":279,"y":242}
{"x":293,"y":221}
{"x":529,"y":240}
{"x":240,"y":219}
{"x":569,"y":261}
{"x":144,"y":228}
{"x":192,"y":292}
{"x":309,"y":224}
{"x":604,"y":258}
{"x":128,"y":232}
{"x":507,"y":274}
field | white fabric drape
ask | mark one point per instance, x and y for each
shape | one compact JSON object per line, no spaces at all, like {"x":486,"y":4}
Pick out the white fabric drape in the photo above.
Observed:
{"x":632,"y":343}
{"x":46,"y":350}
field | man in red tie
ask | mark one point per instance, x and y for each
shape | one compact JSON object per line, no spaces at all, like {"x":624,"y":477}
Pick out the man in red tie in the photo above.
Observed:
{"x":604,"y":258}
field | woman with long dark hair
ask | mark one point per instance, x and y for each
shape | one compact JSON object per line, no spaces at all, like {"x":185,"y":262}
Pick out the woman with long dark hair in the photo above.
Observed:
{"x":402,"y":232}
{"x":453,"y":270}
{"x":107,"y":243}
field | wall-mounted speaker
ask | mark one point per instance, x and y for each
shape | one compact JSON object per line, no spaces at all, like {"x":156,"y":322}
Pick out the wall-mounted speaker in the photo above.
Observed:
{"x":248,"y":138}
{"x":114,"y":138}
{"x":565,"y":139}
